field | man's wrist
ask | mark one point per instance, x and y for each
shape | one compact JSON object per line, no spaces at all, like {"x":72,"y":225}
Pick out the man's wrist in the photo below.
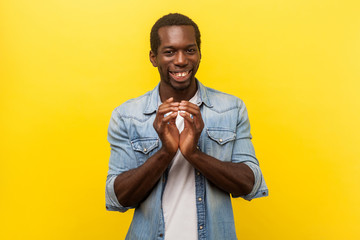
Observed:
{"x":165,"y":154}
{"x":193,"y":155}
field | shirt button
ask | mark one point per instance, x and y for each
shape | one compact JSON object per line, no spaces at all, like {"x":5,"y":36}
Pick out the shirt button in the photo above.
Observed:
{"x":220,"y":140}
{"x":201,"y":227}
{"x":145,"y":149}
{"x":161,"y":235}
{"x":198,"y":173}
{"x":197,"y":147}
{"x":199,"y":199}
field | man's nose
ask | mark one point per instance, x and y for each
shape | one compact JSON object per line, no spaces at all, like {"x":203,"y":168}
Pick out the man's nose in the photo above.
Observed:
{"x":180,"y":59}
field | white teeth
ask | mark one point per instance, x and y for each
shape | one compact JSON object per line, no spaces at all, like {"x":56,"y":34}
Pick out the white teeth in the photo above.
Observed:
{"x":181,"y":74}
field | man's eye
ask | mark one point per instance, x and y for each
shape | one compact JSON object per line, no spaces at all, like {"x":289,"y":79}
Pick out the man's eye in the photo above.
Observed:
{"x":191,"y":50}
{"x":168,"y":52}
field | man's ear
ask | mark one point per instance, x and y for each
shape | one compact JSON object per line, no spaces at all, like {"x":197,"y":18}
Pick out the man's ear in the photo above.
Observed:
{"x":153,"y":58}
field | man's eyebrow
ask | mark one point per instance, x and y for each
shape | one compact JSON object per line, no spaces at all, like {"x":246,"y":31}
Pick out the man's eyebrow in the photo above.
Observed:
{"x":172,"y":47}
{"x":191,"y":45}
{"x":167,"y":47}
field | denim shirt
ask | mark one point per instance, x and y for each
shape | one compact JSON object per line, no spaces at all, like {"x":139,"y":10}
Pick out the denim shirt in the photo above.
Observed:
{"x":226,"y":136}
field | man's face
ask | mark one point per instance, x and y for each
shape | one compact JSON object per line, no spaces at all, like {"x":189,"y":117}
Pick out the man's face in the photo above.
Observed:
{"x":178,"y":56}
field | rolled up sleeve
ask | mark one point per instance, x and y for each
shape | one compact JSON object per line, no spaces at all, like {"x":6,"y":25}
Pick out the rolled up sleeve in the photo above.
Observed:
{"x":259,"y":189}
{"x":122,"y":159}
{"x":112,"y":204}
{"x":243,"y":152}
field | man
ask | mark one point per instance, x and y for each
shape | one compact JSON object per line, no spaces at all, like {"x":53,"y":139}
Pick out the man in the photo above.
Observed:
{"x":180,"y":149}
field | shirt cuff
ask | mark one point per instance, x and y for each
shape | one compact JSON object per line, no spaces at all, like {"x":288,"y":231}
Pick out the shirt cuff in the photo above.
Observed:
{"x":112,"y":203}
{"x":259,"y":189}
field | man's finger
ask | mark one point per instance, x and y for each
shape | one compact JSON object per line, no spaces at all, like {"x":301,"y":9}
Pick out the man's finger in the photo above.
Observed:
{"x":189,"y":107}
{"x":170,"y":117}
{"x":169,"y":100}
{"x":167,"y":110}
{"x":187,"y":117}
{"x":194,"y":112}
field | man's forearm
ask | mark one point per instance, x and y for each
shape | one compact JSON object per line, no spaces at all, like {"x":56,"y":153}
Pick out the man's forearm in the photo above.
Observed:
{"x":235,"y":178}
{"x":133,"y":186}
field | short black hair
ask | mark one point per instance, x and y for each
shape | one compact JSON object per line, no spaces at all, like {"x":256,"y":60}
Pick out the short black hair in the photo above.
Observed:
{"x":171,"y":19}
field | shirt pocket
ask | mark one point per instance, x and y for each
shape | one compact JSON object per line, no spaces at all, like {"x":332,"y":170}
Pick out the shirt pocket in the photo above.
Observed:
{"x":220,"y":142}
{"x":144,"y":148}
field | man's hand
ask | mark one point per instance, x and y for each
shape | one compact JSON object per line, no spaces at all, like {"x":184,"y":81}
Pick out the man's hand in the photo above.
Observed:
{"x":133,"y":186}
{"x":166,"y":126}
{"x":193,"y":126}
{"x":235,"y":178}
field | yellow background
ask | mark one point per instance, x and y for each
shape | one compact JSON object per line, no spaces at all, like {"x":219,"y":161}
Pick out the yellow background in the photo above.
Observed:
{"x":65,"y":65}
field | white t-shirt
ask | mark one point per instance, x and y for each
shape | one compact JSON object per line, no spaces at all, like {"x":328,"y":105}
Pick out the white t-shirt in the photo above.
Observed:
{"x":179,"y":197}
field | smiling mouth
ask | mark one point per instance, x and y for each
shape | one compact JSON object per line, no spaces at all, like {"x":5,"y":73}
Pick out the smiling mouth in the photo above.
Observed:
{"x":180,"y":76}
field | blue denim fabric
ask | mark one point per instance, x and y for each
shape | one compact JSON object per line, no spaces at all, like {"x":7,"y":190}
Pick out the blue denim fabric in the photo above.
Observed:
{"x":226,"y":136}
